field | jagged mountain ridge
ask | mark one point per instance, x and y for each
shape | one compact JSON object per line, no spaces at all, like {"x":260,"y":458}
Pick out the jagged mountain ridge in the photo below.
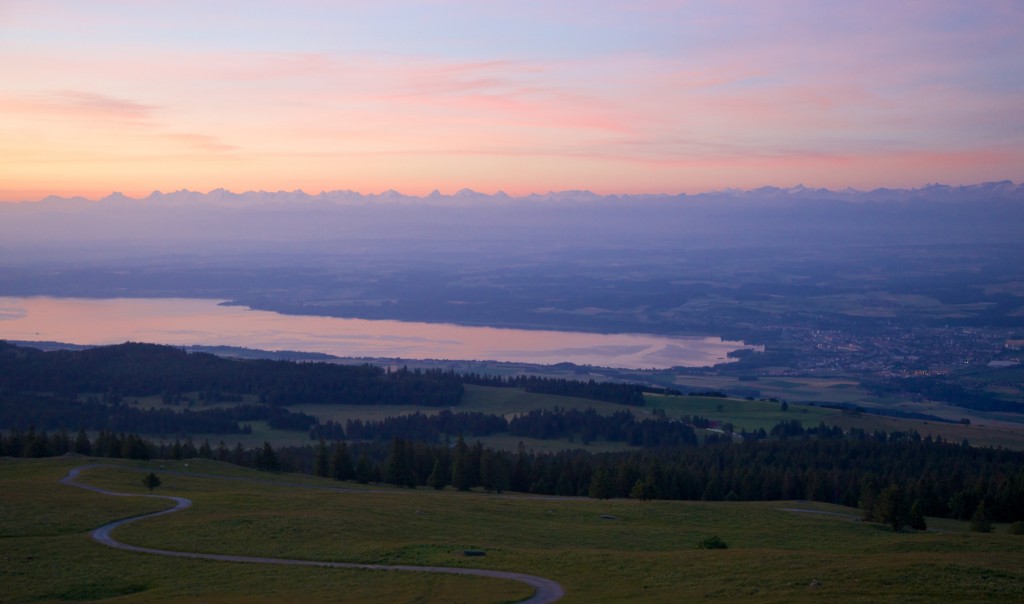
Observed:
{"x":468,"y":221}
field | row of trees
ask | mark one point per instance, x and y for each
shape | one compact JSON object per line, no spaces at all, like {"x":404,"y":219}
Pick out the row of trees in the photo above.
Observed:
{"x":133,"y":369}
{"x":622,"y":394}
{"x":557,"y":423}
{"x":886,"y":475}
{"x":21,"y":411}
{"x":589,"y":425}
{"x":939,"y":389}
{"x":415,"y":426}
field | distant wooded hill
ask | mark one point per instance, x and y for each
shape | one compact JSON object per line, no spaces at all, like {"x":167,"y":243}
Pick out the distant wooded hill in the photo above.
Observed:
{"x":87,"y":389}
{"x":134,"y":369}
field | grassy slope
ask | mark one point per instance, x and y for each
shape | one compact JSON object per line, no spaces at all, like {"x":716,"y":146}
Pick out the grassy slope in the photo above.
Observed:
{"x":743,"y":414}
{"x":47,"y":555}
{"x":646,"y":554}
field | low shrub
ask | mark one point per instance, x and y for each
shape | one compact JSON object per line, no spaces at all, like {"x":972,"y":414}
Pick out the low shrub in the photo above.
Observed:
{"x":714,"y":542}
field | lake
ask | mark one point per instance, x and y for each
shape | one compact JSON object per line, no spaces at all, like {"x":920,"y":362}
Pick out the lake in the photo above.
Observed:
{"x":182,"y":321}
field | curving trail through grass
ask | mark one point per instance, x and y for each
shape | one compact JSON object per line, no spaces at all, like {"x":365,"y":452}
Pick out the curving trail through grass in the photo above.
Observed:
{"x":546,"y":590}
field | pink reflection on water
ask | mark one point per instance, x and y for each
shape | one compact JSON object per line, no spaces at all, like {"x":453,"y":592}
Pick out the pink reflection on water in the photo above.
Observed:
{"x":184,"y":321}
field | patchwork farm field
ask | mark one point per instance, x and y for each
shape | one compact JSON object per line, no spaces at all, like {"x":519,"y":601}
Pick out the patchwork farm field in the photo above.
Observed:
{"x":986,"y":429}
{"x":598,"y":550}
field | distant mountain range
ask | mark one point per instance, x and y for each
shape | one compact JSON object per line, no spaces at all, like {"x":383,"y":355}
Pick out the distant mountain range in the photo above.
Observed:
{"x":1001,"y":190}
{"x":469,"y":222}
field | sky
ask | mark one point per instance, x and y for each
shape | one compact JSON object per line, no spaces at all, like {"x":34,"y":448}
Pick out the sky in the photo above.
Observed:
{"x":641,"y":96}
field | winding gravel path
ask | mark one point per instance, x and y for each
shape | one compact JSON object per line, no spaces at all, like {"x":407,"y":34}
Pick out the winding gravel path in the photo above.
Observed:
{"x":546,"y":590}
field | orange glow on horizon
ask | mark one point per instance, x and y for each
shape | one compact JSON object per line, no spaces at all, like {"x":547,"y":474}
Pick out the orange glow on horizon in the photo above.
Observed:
{"x":706,"y":99}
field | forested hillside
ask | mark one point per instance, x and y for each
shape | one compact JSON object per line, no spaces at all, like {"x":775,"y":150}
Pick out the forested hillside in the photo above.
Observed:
{"x":46,"y":397}
{"x":133,"y":369}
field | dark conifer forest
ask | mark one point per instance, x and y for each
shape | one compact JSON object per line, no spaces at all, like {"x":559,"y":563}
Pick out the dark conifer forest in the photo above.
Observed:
{"x":50,"y":403}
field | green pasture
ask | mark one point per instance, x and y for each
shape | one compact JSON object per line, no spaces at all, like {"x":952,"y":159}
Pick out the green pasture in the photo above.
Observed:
{"x":832,"y":389}
{"x":46,"y":554}
{"x":994,"y":434}
{"x":743,"y":414}
{"x":508,"y":442}
{"x":512,"y":401}
{"x":600,"y":551}
{"x":986,"y":429}
{"x":483,"y":399}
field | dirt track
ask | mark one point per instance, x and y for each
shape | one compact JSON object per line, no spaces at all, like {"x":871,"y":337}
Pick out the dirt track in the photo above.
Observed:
{"x":546,"y":589}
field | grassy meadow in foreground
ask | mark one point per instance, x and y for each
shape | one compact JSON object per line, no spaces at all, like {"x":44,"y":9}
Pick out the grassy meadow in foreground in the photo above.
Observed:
{"x":646,"y":552}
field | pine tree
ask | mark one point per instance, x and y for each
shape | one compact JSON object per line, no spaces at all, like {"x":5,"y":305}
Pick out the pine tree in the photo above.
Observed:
{"x":462,"y":478}
{"x":917,"y":521}
{"x":238,"y":455}
{"x":641,"y":490}
{"x":341,"y":463}
{"x":981,"y":521}
{"x":494,"y":474}
{"x":475,"y":464}
{"x":601,"y":485}
{"x":437,"y":478}
{"x":82,"y":444}
{"x":520,"y":471}
{"x":867,"y":500}
{"x":266,"y":459}
{"x":322,"y":465}
{"x":399,"y":470}
{"x":364,"y":469}
{"x":151,"y":481}
{"x":188,"y":450}
{"x":890,"y":507}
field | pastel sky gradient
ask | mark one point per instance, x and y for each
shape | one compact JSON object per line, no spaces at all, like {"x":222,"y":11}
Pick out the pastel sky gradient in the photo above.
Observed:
{"x":642,"y":96}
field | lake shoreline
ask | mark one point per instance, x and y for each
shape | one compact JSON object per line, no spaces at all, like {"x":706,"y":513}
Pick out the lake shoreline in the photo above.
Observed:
{"x":215,"y":322}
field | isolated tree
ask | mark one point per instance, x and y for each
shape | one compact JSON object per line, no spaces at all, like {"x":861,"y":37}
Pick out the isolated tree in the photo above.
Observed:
{"x":151,"y":481}
{"x":642,"y":490}
{"x":959,"y":505}
{"x":890,"y":507}
{"x":917,"y":521}
{"x":981,"y":520}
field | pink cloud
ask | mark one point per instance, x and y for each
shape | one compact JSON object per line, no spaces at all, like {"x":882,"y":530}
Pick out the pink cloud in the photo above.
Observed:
{"x":78,"y":104}
{"x":753,"y":90}
{"x":200,"y":142}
